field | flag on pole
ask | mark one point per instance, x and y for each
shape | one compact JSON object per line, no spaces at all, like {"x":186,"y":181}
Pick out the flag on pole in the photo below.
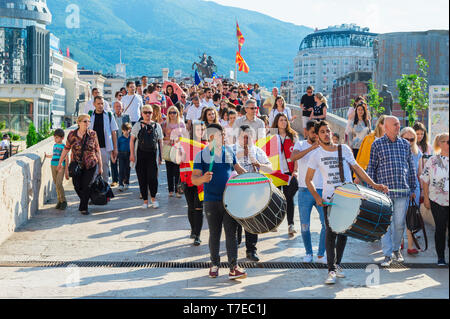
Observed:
{"x":197,"y":78}
{"x":191,"y":149}
{"x":243,"y":66}
{"x":271,"y":146}
{"x":240,"y":37}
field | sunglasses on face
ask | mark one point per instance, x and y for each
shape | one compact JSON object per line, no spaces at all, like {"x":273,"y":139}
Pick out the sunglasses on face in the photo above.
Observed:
{"x":410,"y":139}
{"x":173,"y":113}
{"x":87,"y":121}
{"x":147,"y":113}
{"x":252,"y":108}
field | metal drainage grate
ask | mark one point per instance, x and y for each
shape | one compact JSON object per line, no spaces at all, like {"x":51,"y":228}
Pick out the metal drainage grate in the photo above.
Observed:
{"x":201,"y":265}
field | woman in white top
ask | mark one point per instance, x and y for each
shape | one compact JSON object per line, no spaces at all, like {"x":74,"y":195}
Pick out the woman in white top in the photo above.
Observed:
{"x":435,"y":179}
{"x":360,"y":128}
{"x":280,"y":107}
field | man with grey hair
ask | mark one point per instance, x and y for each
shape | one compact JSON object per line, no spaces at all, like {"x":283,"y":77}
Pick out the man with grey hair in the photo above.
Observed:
{"x":251,"y":120}
{"x":269,"y":102}
{"x":391,"y":163}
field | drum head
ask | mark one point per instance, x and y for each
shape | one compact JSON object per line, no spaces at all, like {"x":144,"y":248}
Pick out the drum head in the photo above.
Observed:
{"x":176,"y":155}
{"x":246,"y":195}
{"x":347,"y":200}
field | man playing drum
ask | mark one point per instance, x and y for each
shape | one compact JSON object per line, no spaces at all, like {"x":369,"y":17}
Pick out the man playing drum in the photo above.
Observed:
{"x":326,"y":160}
{"x":253,"y":160}
{"x":213,"y":167}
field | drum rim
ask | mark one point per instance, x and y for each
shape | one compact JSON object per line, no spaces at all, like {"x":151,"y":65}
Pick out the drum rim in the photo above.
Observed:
{"x":360,"y":203}
{"x":265,"y":207}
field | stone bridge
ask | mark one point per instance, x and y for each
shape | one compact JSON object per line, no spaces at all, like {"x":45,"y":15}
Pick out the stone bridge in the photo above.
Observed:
{"x":121,"y":250}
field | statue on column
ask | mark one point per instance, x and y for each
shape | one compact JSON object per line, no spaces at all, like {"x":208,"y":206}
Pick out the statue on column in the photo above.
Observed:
{"x":388,"y":100}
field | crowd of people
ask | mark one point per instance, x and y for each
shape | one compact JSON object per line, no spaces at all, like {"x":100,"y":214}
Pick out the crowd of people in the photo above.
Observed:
{"x":221,"y":123}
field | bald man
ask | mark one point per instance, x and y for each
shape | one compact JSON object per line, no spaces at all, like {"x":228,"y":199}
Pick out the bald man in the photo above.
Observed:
{"x":391,"y":163}
{"x":269,"y":102}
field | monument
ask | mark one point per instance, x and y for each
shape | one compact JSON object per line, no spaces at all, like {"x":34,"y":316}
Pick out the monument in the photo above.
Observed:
{"x":206,"y":67}
{"x":388,"y":100}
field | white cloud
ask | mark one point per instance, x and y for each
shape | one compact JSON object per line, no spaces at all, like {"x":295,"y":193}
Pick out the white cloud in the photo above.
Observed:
{"x":380,"y":16}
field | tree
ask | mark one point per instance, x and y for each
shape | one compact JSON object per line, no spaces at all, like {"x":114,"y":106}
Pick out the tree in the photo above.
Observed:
{"x":374,"y":100}
{"x":44,"y":131}
{"x":413,"y":91}
{"x":32,"y":136}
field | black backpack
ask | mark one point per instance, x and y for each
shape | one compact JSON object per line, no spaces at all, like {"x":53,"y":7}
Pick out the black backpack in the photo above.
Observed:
{"x":148,"y":138}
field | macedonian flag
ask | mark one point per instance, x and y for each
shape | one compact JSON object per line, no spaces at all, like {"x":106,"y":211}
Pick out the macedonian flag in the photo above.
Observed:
{"x":239,"y":36}
{"x":243,"y":67}
{"x":190,"y":149}
{"x":270,"y":146}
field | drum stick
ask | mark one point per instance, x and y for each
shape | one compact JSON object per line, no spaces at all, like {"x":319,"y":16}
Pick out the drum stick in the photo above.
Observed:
{"x":399,"y":190}
{"x":211,"y":163}
{"x":329,"y":204}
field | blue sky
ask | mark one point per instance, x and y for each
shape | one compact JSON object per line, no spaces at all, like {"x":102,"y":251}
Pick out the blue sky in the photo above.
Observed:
{"x":381,"y":16}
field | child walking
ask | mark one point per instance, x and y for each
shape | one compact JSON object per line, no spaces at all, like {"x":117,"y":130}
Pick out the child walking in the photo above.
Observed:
{"x":124,"y":157}
{"x":58,"y":176}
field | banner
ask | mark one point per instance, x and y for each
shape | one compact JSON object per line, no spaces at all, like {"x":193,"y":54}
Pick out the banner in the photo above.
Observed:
{"x":438,"y":110}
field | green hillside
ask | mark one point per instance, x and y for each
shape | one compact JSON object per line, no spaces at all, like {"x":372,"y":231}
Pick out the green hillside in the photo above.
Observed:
{"x":173,"y":33}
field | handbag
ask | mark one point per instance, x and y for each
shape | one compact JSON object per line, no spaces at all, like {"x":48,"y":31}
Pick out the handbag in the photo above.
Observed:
{"x":75,"y":166}
{"x":414,"y":223}
{"x":166,"y":152}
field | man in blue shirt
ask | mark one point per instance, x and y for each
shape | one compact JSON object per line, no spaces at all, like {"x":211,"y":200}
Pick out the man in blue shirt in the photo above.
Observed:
{"x":391,"y":163}
{"x":213,"y":167}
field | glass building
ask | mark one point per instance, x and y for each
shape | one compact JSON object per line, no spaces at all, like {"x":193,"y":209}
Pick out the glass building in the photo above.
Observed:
{"x":329,"y":54}
{"x":25,"y":91}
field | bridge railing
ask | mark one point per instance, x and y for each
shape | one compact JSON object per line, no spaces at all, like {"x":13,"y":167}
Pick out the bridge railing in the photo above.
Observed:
{"x":26,"y":184}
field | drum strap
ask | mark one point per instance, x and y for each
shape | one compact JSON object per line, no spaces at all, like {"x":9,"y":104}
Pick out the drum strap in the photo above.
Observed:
{"x":341,"y":163}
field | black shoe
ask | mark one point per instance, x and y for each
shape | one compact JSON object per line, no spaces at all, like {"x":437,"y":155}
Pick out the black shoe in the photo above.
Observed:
{"x":197,"y":241}
{"x":63,"y":206}
{"x":85,"y":212}
{"x":441,"y":263}
{"x":192,"y":236}
{"x":58,"y":206}
{"x":253,"y":256}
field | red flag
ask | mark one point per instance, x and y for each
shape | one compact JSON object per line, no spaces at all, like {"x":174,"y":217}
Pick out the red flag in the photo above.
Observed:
{"x":243,"y":66}
{"x":240,"y":37}
{"x":68,"y":52}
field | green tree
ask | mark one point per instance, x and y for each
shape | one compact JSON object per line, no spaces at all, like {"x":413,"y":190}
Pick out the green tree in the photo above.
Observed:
{"x":413,"y":90}
{"x":44,"y":131}
{"x":32,"y":136}
{"x":2,"y":125}
{"x":374,"y":100}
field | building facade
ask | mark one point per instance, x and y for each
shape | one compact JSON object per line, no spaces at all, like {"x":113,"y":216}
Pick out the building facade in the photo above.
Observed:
{"x":396,"y":54}
{"x":328,"y":54}
{"x":112,"y":85}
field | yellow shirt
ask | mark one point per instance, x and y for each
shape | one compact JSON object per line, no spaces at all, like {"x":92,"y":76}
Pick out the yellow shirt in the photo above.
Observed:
{"x":270,"y":101}
{"x":363,"y":157}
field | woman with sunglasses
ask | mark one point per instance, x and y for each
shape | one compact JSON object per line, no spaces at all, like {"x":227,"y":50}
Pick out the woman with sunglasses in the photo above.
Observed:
{"x":85,"y":149}
{"x":192,"y":192}
{"x":171,"y":94}
{"x":435,"y":179}
{"x":146,"y":140}
{"x":173,"y":129}
{"x":410,"y":135}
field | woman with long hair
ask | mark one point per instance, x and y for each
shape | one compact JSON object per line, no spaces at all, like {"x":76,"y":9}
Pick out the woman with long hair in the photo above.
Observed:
{"x":171,"y":94}
{"x":435,"y":179}
{"x":422,"y":139}
{"x":360,"y":128}
{"x":280,"y":107}
{"x":320,"y":109}
{"x":287,"y":138}
{"x":210,"y":116}
{"x":173,"y":128}
{"x":410,"y":135}
{"x":157,"y":116}
{"x":223,"y":115}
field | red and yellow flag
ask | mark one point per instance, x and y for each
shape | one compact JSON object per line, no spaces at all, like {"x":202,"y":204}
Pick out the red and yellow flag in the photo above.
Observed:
{"x":191,"y":149}
{"x":243,"y":66}
{"x":271,"y":147}
{"x":240,"y":37}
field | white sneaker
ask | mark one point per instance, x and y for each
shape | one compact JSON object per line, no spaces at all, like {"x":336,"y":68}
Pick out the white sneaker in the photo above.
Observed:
{"x":331,"y":280}
{"x":308,"y":259}
{"x":291,"y":230}
{"x":145,"y":206}
{"x":155,"y":204}
{"x":339,"y":272}
{"x":322,"y":260}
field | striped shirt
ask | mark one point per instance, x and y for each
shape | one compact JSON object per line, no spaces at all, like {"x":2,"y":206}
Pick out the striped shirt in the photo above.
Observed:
{"x":57,"y":151}
{"x":392,"y":164}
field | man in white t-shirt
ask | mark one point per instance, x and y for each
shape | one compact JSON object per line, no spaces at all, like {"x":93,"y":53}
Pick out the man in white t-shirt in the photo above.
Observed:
{"x":195,"y":112}
{"x":303,"y":151}
{"x":208,"y":100}
{"x":90,"y":104}
{"x":132,"y":103}
{"x":326,"y":161}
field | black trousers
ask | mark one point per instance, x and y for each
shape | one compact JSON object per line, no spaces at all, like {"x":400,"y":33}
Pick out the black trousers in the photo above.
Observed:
{"x":440,"y":215}
{"x":147,"y":173}
{"x":173,"y":175}
{"x":195,"y":209}
{"x":335,"y":245}
{"x":82,"y":186}
{"x":217,"y":216}
{"x":250,"y":239}
{"x":289,"y":193}
{"x":124,"y":168}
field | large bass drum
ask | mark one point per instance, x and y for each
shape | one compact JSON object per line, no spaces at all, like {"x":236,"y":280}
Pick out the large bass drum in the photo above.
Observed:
{"x":360,"y":212}
{"x":255,"y":203}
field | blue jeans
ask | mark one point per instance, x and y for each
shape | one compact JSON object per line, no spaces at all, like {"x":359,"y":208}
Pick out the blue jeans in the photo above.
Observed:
{"x":392,"y":240}
{"x":305,"y":204}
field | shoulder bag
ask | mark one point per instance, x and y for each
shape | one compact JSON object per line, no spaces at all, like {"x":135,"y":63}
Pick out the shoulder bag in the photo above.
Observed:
{"x":76,"y":166}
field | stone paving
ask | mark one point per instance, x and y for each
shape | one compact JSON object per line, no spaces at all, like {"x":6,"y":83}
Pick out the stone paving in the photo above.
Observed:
{"x":122,"y":231}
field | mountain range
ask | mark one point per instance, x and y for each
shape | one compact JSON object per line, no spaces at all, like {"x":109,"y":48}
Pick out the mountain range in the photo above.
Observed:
{"x":154,"y":34}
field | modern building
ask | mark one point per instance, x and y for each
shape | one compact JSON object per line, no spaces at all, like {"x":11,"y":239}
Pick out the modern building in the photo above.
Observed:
{"x":287,"y":90}
{"x":111,"y":86}
{"x":58,"y":105}
{"x":26,"y":93}
{"x":396,"y":53}
{"x":347,"y":88}
{"x":328,"y":54}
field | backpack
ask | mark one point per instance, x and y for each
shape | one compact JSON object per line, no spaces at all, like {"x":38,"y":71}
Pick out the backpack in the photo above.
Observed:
{"x":90,"y":113}
{"x":148,"y":138}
